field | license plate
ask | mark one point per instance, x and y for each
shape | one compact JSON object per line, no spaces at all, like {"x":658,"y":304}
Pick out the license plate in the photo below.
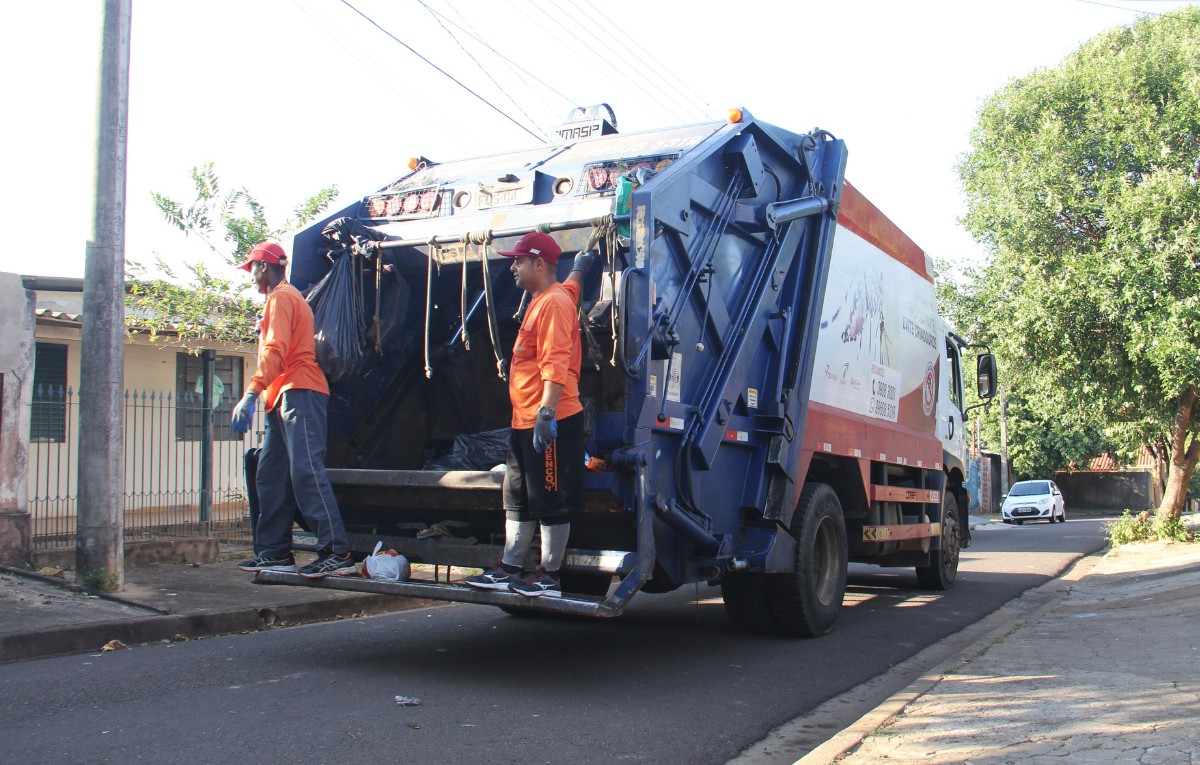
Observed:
{"x":499,"y":196}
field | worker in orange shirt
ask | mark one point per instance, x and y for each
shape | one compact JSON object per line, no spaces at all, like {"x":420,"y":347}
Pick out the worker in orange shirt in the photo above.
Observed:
{"x":295,"y":395}
{"x":544,"y":481}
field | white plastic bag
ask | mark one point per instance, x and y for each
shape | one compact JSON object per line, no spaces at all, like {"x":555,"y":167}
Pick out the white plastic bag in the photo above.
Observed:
{"x":387,"y":565}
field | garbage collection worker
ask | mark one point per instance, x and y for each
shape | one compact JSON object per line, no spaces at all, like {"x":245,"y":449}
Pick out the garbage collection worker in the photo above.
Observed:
{"x":543,"y":483}
{"x":295,"y":397}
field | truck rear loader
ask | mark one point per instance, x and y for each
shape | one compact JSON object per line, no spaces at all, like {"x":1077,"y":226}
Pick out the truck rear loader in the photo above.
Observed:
{"x":769,"y":390}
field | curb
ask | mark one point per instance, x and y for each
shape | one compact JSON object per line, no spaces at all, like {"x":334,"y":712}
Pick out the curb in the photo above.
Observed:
{"x":171,"y":627}
{"x":849,"y":738}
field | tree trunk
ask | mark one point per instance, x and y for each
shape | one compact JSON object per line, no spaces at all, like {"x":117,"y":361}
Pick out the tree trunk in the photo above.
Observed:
{"x":1185,"y":451}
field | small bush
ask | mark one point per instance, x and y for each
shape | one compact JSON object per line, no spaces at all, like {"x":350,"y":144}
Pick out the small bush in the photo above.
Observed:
{"x":1142,"y":528}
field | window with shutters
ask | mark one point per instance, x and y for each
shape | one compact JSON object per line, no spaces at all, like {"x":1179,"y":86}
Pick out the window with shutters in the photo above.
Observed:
{"x":49,"y":416}
{"x":189,"y":390}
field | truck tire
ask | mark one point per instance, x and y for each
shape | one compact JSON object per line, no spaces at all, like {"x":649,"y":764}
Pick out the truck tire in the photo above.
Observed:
{"x":746,"y":602}
{"x":943,"y":562}
{"x":805,"y":602}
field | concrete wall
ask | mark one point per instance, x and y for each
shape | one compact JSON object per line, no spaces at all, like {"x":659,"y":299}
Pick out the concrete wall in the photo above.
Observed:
{"x":16,"y":381}
{"x":1108,"y":489}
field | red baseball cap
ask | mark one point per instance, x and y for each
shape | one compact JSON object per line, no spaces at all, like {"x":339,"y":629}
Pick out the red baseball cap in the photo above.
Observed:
{"x":267,"y":252}
{"x":537,"y":245}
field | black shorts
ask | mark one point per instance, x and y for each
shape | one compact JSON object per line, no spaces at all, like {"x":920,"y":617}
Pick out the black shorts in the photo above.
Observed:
{"x":549,"y":485}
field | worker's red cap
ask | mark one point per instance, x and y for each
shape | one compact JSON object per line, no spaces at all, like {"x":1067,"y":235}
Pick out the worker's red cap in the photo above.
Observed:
{"x":538,"y":245}
{"x":267,"y":252}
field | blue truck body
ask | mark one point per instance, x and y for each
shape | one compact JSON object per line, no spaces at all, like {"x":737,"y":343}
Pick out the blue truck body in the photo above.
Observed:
{"x":699,"y":340}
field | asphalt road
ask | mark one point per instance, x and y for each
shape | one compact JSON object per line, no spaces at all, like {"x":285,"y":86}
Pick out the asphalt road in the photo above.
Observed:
{"x":670,"y":682}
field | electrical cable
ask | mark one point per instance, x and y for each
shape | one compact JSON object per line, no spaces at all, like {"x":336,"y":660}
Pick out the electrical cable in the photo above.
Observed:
{"x":695,"y":93}
{"x":449,"y":76}
{"x":483,"y":69}
{"x":654,"y":100}
{"x":513,"y":66}
{"x":668,"y":88}
{"x":420,"y":106}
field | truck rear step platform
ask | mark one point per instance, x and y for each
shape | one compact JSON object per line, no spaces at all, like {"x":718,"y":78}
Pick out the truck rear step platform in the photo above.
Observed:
{"x":578,"y":605}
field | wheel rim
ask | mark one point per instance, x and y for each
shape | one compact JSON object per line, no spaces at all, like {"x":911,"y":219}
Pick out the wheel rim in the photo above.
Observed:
{"x":825,"y":570}
{"x":949,"y":544}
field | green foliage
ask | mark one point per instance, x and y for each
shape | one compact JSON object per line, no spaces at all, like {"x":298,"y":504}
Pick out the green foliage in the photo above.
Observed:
{"x":241,"y":217}
{"x":205,"y":307}
{"x":208,"y":307}
{"x":1142,"y":527}
{"x":1082,"y":180}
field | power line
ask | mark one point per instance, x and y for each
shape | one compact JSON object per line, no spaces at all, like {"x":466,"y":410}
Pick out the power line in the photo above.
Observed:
{"x":449,"y":76}
{"x":512,"y":65}
{"x":649,"y":54}
{"x":648,"y":67}
{"x":463,"y":48}
{"x":423,"y":106}
{"x":1119,"y":8}
{"x":655,"y":99}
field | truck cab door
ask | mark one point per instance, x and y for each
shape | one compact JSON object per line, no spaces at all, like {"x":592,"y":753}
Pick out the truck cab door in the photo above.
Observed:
{"x":951,"y":403}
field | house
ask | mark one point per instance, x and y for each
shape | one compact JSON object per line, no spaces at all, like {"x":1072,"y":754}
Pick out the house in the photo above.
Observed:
{"x":163,"y":430}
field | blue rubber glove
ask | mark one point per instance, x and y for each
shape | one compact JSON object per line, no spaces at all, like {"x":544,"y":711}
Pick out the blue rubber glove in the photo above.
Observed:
{"x":243,"y":413}
{"x":545,"y":430}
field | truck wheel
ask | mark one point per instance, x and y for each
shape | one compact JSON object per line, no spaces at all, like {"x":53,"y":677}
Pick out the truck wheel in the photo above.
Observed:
{"x":746,"y":602}
{"x":805,"y":602}
{"x":943,"y":562}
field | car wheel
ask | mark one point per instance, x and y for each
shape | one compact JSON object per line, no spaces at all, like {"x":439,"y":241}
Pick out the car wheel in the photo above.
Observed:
{"x":1008,"y":521}
{"x":1019,"y":521}
{"x":1063,"y":518}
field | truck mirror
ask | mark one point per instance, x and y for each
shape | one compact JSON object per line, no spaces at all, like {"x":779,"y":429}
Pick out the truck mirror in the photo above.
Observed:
{"x":985,"y":375}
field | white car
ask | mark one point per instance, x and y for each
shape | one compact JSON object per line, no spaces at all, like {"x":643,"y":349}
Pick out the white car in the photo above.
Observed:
{"x":1034,"y":500}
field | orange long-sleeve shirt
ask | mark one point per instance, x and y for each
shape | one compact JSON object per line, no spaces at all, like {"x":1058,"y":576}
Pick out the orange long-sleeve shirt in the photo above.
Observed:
{"x":287,"y":351}
{"x":547,"y":348}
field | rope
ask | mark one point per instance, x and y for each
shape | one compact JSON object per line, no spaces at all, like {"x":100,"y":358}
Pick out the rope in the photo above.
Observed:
{"x":493,"y":329}
{"x":462,"y":296}
{"x":429,"y":305}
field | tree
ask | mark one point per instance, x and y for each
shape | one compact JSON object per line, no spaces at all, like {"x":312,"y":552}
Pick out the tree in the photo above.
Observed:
{"x":1082,"y":180}
{"x":207,"y":307}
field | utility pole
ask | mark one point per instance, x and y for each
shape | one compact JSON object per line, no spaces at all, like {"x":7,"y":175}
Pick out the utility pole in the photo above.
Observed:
{"x":100,"y":549}
{"x":1003,"y":442}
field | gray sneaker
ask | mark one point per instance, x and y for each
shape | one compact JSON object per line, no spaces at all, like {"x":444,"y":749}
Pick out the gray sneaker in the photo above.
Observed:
{"x":328,"y":564}
{"x":493,"y":579}
{"x":540,"y":584}
{"x":284,"y":563}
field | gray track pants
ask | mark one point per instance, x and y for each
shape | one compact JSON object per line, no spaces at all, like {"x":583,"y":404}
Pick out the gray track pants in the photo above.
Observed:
{"x":291,"y":473}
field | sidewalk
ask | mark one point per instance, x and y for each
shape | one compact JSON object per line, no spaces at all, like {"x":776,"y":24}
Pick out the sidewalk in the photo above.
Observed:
{"x":43,"y":616}
{"x":1104,"y":672}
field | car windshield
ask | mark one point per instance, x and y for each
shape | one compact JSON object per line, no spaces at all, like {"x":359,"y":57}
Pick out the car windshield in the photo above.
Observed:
{"x":1030,"y":488}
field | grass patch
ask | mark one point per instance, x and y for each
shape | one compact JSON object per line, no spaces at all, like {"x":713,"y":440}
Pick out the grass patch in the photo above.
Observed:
{"x":1143,"y":527}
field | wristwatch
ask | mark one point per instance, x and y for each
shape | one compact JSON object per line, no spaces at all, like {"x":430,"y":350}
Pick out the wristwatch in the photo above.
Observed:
{"x":545,"y":413}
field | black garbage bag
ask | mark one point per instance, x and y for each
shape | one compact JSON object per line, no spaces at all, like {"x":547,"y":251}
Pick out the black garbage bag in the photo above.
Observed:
{"x":475,"y":451}
{"x":340,"y":319}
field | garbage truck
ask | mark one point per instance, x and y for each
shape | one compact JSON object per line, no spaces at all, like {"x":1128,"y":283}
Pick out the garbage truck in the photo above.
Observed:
{"x":768,"y":389}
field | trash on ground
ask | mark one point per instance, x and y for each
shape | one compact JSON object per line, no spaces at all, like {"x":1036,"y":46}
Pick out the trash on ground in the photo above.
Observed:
{"x":115,"y":645}
{"x":408,"y":701}
{"x":387,"y":565}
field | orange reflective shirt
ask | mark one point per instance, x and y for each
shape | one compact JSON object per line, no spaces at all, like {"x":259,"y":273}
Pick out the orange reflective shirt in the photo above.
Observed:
{"x":287,"y":350}
{"x":547,"y":348}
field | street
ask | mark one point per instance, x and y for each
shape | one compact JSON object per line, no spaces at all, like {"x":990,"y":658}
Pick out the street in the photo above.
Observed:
{"x":670,"y":682}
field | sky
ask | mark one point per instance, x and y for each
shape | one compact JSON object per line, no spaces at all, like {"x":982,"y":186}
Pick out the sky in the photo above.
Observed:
{"x":289,"y":96}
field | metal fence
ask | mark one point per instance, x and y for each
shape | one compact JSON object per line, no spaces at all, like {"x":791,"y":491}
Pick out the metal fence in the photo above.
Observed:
{"x":166,"y":452}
